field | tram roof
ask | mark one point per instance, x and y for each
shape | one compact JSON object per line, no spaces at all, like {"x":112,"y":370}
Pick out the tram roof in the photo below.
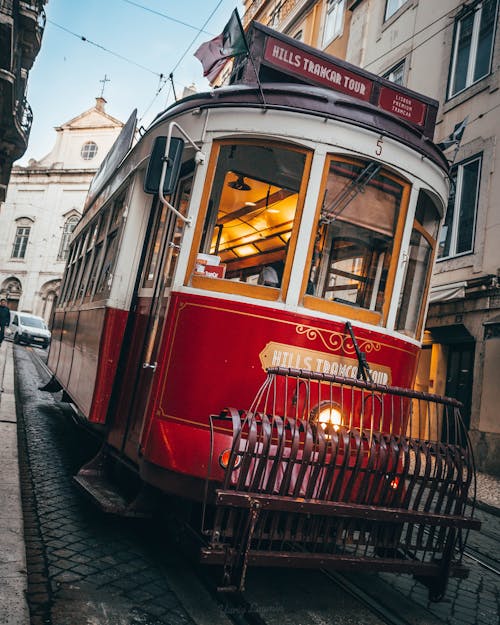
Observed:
{"x":315,"y":101}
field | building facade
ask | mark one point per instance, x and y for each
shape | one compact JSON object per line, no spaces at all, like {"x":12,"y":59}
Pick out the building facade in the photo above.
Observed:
{"x":43,"y":205}
{"x":450,"y":51}
{"x":21,"y":28}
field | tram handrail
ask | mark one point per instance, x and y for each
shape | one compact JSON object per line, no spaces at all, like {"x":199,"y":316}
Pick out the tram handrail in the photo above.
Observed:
{"x":370,"y":386}
{"x":200,"y":158}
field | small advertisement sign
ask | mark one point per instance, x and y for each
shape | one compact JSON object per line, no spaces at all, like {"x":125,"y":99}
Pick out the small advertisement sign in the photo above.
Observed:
{"x":402,"y":105}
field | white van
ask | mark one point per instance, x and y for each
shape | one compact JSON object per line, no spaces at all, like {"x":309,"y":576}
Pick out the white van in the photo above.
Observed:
{"x":26,"y":328}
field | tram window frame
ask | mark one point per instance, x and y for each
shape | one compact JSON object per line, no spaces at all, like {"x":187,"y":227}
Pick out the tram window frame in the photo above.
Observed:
{"x":111,"y":234}
{"x":73,"y":264}
{"x":207,"y":217}
{"x":153,"y":254}
{"x":385,"y":271}
{"x":425,"y":229}
{"x":67,"y":273}
{"x":164,"y":219}
{"x":80,"y":272}
{"x":181,"y":203}
{"x":92,"y":230}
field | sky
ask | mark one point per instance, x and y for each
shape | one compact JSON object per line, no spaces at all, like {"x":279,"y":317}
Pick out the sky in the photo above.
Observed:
{"x":131,"y":43}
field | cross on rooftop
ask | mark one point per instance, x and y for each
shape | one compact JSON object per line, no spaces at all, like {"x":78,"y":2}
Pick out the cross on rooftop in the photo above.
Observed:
{"x":104,"y":81}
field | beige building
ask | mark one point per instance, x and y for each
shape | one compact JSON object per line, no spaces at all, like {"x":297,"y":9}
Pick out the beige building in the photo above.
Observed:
{"x":43,"y":205}
{"x":450,"y":51}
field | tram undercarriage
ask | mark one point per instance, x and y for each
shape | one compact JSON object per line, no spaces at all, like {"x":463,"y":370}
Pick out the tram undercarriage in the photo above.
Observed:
{"x":390,"y":487}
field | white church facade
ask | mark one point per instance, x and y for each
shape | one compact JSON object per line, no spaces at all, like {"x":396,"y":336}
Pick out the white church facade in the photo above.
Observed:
{"x":43,"y":205}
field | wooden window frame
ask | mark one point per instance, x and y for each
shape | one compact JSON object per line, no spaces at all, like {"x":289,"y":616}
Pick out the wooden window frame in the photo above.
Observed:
{"x":339,"y":308}
{"x":245,"y":289}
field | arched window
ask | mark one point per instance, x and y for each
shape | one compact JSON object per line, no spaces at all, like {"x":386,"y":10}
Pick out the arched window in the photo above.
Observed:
{"x":89,"y":150}
{"x":23,"y":229}
{"x":69,"y":226}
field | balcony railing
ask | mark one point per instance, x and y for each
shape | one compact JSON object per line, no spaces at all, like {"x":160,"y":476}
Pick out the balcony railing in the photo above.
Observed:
{"x":277,"y":15}
{"x":6,"y":6}
{"x":251,"y":12}
{"x":32,"y":5}
{"x":24,"y":116}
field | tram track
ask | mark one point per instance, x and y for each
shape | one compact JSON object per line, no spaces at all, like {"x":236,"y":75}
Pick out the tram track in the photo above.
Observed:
{"x":482,"y":560}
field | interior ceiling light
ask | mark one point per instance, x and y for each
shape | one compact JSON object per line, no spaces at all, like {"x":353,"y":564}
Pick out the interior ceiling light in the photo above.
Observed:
{"x":239,"y":184}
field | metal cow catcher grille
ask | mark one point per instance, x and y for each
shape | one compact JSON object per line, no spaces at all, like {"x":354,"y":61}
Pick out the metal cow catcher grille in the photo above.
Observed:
{"x":326,"y":471}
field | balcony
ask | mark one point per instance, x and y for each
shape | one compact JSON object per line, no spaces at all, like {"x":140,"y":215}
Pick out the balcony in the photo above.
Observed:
{"x":275,"y":16}
{"x":6,"y":34}
{"x":15,"y":124}
{"x":7,"y":7}
{"x":252,"y":11}
{"x":30,"y":27}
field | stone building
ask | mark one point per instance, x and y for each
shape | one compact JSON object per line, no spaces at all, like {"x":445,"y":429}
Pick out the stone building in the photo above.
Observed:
{"x":21,"y":29}
{"x":43,"y":205}
{"x":450,"y":51}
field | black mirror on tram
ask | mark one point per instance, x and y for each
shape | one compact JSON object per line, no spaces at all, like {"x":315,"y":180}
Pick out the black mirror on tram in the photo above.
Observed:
{"x":156,"y":160}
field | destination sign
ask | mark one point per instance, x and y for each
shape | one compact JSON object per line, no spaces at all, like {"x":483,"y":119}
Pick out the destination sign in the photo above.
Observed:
{"x":356,"y":82}
{"x":316,"y":69}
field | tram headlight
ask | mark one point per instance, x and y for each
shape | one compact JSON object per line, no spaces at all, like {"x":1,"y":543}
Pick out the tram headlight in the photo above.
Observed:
{"x":225,"y":457}
{"x":328,"y":416}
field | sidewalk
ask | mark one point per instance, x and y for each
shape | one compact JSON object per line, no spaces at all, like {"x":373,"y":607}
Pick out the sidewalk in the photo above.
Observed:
{"x":13,"y":576}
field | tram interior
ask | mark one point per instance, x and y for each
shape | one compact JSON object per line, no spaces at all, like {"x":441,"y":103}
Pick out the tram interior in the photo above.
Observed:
{"x":251,"y":214}
{"x":355,"y":235}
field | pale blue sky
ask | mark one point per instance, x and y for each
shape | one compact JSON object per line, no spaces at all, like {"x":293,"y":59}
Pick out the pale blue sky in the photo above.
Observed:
{"x":65,"y":78}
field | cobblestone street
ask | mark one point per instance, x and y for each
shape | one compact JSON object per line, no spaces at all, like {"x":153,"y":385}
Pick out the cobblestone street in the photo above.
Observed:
{"x":80,"y":562}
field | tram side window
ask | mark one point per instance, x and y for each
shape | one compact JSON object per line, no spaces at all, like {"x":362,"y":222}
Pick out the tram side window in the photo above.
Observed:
{"x":107,"y":267}
{"x":251,"y":213}
{"x":155,"y":243}
{"x":67,"y":274}
{"x":73,"y":268}
{"x":182,"y":198}
{"x":355,"y":235}
{"x":418,"y":266}
{"x":107,"y":244}
{"x":94,"y":268}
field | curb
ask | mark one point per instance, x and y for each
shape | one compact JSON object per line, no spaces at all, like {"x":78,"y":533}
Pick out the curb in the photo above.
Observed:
{"x":13,"y":574}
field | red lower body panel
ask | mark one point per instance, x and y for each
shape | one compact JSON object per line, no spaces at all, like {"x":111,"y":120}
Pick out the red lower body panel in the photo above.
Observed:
{"x":214,"y":354}
{"x":84,"y":356}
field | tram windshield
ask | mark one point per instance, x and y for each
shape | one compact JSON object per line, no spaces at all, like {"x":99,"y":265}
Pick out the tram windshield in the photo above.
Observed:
{"x":355,"y":234}
{"x":251,"y":213}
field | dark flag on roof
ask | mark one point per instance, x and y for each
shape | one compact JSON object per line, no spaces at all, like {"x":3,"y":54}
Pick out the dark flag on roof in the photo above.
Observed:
{"x":231,"y":42}
{"x":456,"y":135}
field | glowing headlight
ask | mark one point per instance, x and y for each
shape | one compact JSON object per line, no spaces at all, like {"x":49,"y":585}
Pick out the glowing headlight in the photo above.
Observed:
{"x":330,"y":417}
{"x":225,"y":457}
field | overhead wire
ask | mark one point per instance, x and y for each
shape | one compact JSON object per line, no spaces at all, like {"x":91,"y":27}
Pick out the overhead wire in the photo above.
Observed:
{"x":167,"y":17}
{"x":182,"y":58}
{"x":101,"y":47}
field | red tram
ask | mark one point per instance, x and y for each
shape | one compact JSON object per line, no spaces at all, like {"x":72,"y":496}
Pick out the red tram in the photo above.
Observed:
{"x":241,"y":315}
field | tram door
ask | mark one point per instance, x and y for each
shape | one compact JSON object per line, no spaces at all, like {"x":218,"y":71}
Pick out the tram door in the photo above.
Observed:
{"x":151,"y":300}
